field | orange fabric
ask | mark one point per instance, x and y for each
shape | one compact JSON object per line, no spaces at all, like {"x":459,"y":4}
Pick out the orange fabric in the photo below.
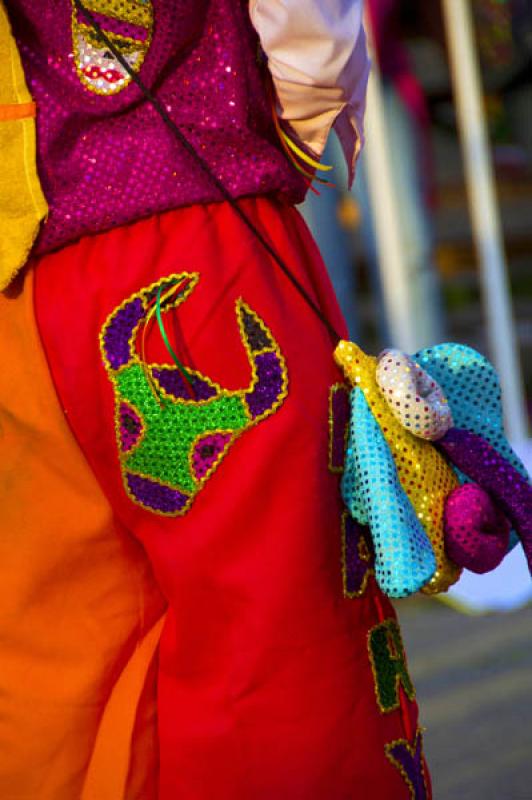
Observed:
{"x":76,"y":593}
{"x":16,"y":111}
{"x":109,"y":767}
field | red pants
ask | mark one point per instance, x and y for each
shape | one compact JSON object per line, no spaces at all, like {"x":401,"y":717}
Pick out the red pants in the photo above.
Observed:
{"x":267,"y":684}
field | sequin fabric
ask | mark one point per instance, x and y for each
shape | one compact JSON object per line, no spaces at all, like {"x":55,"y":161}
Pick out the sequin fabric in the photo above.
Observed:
{"x":484,"y":465}
{"x":170,"y":443}
{"x":473,"y":391}
{"x":338,"y":425}
{"x":105,"y":158}
{"x":358,"y":559}
{"x":408,"y":758}
{"x":424,"y":475}
{"x":388,"y":664}
{"x":414,"y":398}
{"x":372,"y":491}
{"x":477,"y":534}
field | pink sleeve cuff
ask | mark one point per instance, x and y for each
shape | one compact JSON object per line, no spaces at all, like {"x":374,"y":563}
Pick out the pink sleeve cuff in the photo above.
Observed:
{"x":319,"y":64}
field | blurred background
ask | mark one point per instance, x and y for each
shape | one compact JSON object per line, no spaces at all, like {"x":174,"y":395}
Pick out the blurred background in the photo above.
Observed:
{"x":434,"y":243}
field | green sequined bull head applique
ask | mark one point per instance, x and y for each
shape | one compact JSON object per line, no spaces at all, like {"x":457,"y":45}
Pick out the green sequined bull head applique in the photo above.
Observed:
{"x":172,"y":439}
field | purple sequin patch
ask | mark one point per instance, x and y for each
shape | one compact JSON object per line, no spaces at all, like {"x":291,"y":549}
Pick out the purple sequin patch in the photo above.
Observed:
{"x":358,"y":557}
{"x":269,"y":384}
{"x":411,"y":765}
{"x":207,"y":452}
{"x":130,"y":427}
{"x":116,"y":339}
{"x":152,"y":495}
{"x":174,"y":384}
{"x":477,"y":459}
{"x":339,"y":421}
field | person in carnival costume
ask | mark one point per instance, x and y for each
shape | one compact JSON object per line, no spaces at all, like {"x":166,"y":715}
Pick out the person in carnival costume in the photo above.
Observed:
{"x":188,"y":610}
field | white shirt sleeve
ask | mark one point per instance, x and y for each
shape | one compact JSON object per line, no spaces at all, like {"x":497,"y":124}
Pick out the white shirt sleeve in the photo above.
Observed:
{"x":317,"y":57}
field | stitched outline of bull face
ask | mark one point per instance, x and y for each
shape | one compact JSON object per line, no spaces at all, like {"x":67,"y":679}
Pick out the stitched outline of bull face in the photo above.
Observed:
{"x":169,"y":448}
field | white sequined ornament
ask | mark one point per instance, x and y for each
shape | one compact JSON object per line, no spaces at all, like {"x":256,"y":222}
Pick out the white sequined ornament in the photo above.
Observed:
{"x":415,"y":399}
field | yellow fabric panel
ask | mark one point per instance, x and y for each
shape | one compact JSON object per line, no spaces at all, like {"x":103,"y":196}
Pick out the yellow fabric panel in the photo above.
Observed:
{"x":22,"y":203}
{"x":425,"y":476}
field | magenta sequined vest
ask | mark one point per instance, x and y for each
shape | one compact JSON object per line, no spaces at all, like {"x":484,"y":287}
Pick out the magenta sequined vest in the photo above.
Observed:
{"x":105,"y":157}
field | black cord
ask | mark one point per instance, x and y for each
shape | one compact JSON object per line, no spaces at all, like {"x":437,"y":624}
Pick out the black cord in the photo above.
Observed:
{"x":158,"y":106}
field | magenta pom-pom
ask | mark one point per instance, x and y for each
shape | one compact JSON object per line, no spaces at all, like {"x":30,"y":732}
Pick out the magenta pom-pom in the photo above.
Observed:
{"x":476,"y":532}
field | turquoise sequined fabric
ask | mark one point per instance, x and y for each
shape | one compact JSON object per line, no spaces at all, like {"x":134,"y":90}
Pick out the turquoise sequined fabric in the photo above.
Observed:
{"x":404,"y":558}
{"x":473,"y":391}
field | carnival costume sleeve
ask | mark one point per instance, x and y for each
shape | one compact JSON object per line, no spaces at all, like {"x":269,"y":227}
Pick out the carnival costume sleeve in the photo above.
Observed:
{"x":318,"y":60}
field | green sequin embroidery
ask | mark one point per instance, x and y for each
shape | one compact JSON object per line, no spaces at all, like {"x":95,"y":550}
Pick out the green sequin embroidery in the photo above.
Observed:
{"x":388,"y":663}
{"x":172,"y":437}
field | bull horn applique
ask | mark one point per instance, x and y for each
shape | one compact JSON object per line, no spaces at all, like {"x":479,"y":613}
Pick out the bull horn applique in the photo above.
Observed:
{"x":171,"y":441}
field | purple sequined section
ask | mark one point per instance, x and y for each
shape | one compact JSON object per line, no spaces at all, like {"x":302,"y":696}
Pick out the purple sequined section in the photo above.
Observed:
{"x":153,"y":495}
{"x":174,"y":384}
{"x":412,"y":766}
{"x":269,"y":384}
{"x":207,"y":452}
{"x":340,"y":419}
{"x":477,"y":534}
{"x":357,"y":540}
{"x":483,"y":465}
{"x":107,"y":160}
{"x":117,"y":26}
{"x":130,"y":427}
{"x":116,"y":340}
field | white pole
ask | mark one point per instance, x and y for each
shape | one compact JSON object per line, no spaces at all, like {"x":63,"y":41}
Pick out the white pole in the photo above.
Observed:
{"x":484,"y":212}
{"x":384,"y":201}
